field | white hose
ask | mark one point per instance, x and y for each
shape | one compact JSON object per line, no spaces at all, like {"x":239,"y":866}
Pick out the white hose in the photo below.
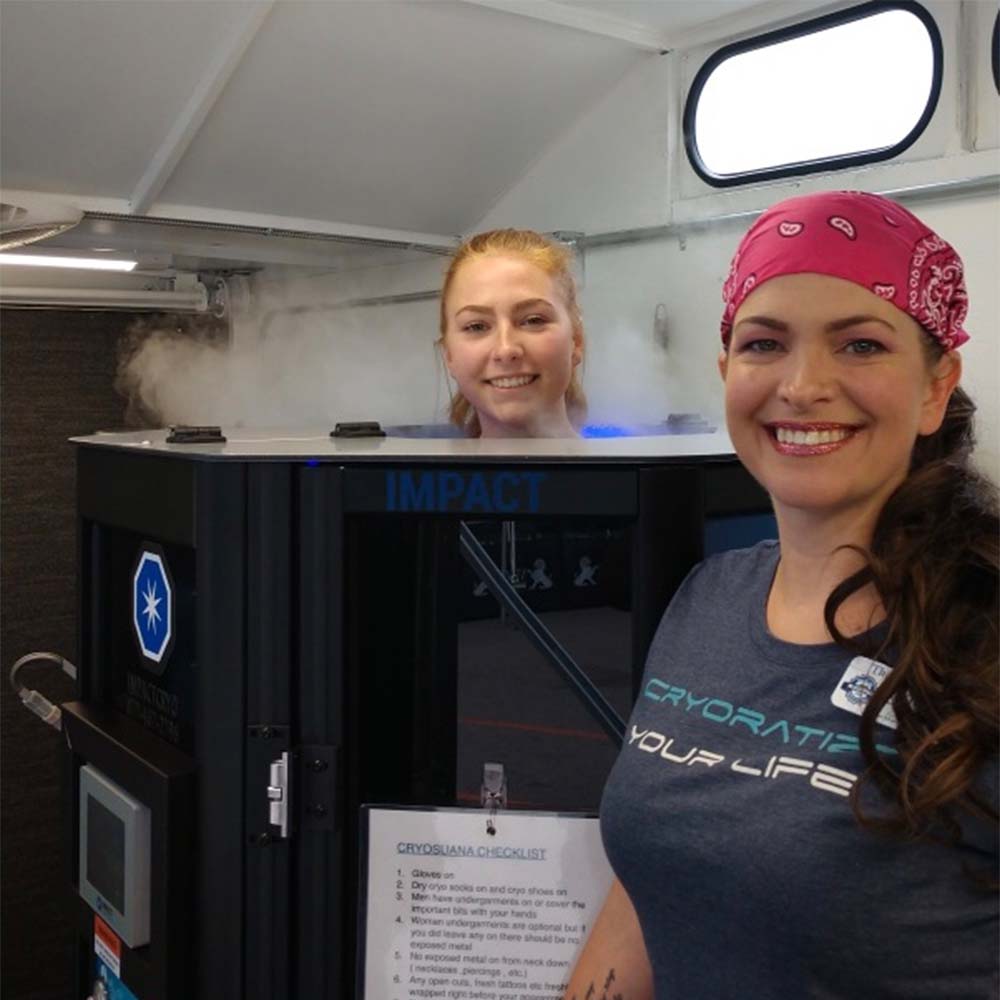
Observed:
{"x":33,"y":700}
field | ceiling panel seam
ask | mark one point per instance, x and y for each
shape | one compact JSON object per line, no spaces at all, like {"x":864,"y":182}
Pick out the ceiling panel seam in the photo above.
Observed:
{"x":606,"y":25}
{"x":194,"y":113}
{"x":768,"y":15}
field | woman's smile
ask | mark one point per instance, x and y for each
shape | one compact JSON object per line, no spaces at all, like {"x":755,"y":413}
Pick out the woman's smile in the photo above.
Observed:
{"x":509,"y":382}
{"x":810,"y":439}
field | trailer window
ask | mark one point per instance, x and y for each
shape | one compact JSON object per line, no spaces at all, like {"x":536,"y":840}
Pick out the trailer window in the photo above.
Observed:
{"x":837,"y":91}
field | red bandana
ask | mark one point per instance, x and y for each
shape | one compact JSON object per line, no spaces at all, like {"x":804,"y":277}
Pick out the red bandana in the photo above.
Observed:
{"x":859,"y":237}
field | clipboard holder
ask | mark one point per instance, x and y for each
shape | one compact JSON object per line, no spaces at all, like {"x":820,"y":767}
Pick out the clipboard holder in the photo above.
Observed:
{"x":493,"y":793}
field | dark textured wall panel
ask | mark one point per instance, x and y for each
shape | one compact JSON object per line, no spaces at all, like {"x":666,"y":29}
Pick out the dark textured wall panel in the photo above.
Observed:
{"x":56,"y":380}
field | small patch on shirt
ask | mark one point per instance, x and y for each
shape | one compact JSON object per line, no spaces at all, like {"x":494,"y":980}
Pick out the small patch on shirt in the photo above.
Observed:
{"x":860,"y":681}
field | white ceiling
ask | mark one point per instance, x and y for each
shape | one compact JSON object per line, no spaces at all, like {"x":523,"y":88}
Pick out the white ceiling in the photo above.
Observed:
{"x":669,"y":16}
{"x":387,"y":115}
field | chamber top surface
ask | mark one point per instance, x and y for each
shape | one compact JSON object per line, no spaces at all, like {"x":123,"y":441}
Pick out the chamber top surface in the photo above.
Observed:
{"x":315,"y":444}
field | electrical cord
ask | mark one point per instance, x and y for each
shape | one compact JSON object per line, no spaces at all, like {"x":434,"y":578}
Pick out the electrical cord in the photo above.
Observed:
{"x":33,"y":700}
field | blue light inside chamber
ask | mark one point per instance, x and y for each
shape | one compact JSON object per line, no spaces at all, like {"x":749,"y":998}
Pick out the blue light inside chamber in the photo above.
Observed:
{"x":604,"y":431}
{"x":312,"y":462}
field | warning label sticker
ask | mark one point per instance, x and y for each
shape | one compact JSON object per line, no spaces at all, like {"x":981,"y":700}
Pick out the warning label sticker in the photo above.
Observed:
{"x":107,"y":946}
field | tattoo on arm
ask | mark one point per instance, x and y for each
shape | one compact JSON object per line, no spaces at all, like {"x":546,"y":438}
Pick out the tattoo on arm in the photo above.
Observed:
{"x":591,"y":993}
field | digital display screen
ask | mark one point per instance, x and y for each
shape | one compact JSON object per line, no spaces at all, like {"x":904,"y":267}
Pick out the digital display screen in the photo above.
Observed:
{"x":106,"y":853}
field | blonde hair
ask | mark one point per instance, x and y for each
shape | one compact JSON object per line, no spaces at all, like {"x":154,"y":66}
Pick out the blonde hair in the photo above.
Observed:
{"x":556,"y":261}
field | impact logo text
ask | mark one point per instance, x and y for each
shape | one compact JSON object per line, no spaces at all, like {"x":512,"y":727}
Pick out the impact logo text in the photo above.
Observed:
{"x":479,"y":492}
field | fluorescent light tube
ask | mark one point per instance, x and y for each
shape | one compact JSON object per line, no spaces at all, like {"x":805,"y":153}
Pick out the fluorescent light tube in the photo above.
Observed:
{"x":47,"y":260}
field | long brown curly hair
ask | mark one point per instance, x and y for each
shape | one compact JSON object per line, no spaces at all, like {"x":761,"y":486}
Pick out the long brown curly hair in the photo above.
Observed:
{"x":556,"y":261}
{"x":933,"y":560}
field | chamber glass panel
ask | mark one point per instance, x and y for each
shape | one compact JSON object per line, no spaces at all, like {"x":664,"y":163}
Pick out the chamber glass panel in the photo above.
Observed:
{"x":515,"y":707}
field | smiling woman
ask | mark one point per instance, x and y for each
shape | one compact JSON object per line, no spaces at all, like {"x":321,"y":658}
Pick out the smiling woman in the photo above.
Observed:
{"x":845,"y":675}
{"x":512,"y":336}
{"x":818,"y":366}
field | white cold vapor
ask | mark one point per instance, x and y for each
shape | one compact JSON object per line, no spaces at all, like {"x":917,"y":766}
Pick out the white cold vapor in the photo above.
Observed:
{"x":292,"y":361}
{"x":295,"y":359}
{"x":652,"y":342}
{"x":625,"y":376}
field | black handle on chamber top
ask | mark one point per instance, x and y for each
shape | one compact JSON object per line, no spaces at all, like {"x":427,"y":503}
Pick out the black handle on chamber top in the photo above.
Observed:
{"x":542,"y":639}
{"x":195,"y":434}
{"x":358,"y":429}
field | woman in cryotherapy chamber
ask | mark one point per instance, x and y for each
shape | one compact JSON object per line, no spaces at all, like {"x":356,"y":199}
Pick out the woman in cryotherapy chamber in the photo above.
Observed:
{"x":512,"y":337}
{"x":805,"y":804}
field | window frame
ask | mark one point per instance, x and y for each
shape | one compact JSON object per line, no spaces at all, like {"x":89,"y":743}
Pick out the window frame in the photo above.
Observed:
{"x":995,"y":51}
{"x":798,"y":30}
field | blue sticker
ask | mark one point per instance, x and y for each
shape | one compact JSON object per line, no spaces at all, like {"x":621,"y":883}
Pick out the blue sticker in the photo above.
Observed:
{"x":153,"y":607}
{"x":107,"y":986}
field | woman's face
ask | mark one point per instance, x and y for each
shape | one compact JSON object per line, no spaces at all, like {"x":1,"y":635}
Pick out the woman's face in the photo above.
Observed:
{"x":827,"y":388}
{"x":511,"y":346}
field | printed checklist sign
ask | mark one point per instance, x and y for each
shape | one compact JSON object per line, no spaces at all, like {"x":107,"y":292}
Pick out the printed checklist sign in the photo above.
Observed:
{"x":456,"y":913}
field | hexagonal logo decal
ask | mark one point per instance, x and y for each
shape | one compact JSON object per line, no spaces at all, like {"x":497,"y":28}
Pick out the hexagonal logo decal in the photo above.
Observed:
{"x":153,"y":607}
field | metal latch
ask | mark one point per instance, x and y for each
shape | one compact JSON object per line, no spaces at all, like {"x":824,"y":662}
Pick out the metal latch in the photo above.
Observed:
{"x":493,"y":793}
{"x":279,"y":793}
{"x":301,"y":791}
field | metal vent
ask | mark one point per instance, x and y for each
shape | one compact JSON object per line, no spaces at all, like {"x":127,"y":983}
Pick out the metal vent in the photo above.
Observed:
{"x":21,"y":225}
{"x":225,"y":227}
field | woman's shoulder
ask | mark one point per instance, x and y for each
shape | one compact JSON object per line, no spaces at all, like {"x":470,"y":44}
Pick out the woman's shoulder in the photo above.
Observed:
{"x":726,"y":578}
{"x":738,"y":567}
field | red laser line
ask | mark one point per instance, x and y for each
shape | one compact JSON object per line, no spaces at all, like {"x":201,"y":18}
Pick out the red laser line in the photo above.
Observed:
{"x":515,"y":803}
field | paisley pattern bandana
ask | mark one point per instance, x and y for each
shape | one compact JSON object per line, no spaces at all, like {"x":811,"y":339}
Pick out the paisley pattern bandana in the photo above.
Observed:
{"x":863,"y":238}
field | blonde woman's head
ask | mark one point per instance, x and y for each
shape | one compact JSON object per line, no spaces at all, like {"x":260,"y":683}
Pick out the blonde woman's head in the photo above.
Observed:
{"x":512,"y":336}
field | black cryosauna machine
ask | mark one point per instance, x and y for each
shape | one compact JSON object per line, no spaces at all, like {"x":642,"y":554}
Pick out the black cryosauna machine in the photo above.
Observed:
{"x":278,"y":628}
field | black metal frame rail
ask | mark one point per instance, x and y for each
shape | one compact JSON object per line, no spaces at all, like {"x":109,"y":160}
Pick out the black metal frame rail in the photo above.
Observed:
{"x":540,"y":637}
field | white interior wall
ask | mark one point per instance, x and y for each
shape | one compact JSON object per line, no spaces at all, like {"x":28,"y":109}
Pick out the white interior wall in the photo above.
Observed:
{"x":608,"y":171}
{"x":555,"y":194}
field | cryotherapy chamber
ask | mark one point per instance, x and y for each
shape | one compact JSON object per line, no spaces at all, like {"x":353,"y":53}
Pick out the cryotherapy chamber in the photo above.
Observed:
{"x":277,"y":630}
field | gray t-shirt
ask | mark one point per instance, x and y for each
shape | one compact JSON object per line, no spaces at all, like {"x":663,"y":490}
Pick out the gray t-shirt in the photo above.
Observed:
{"x":726,"y":819}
